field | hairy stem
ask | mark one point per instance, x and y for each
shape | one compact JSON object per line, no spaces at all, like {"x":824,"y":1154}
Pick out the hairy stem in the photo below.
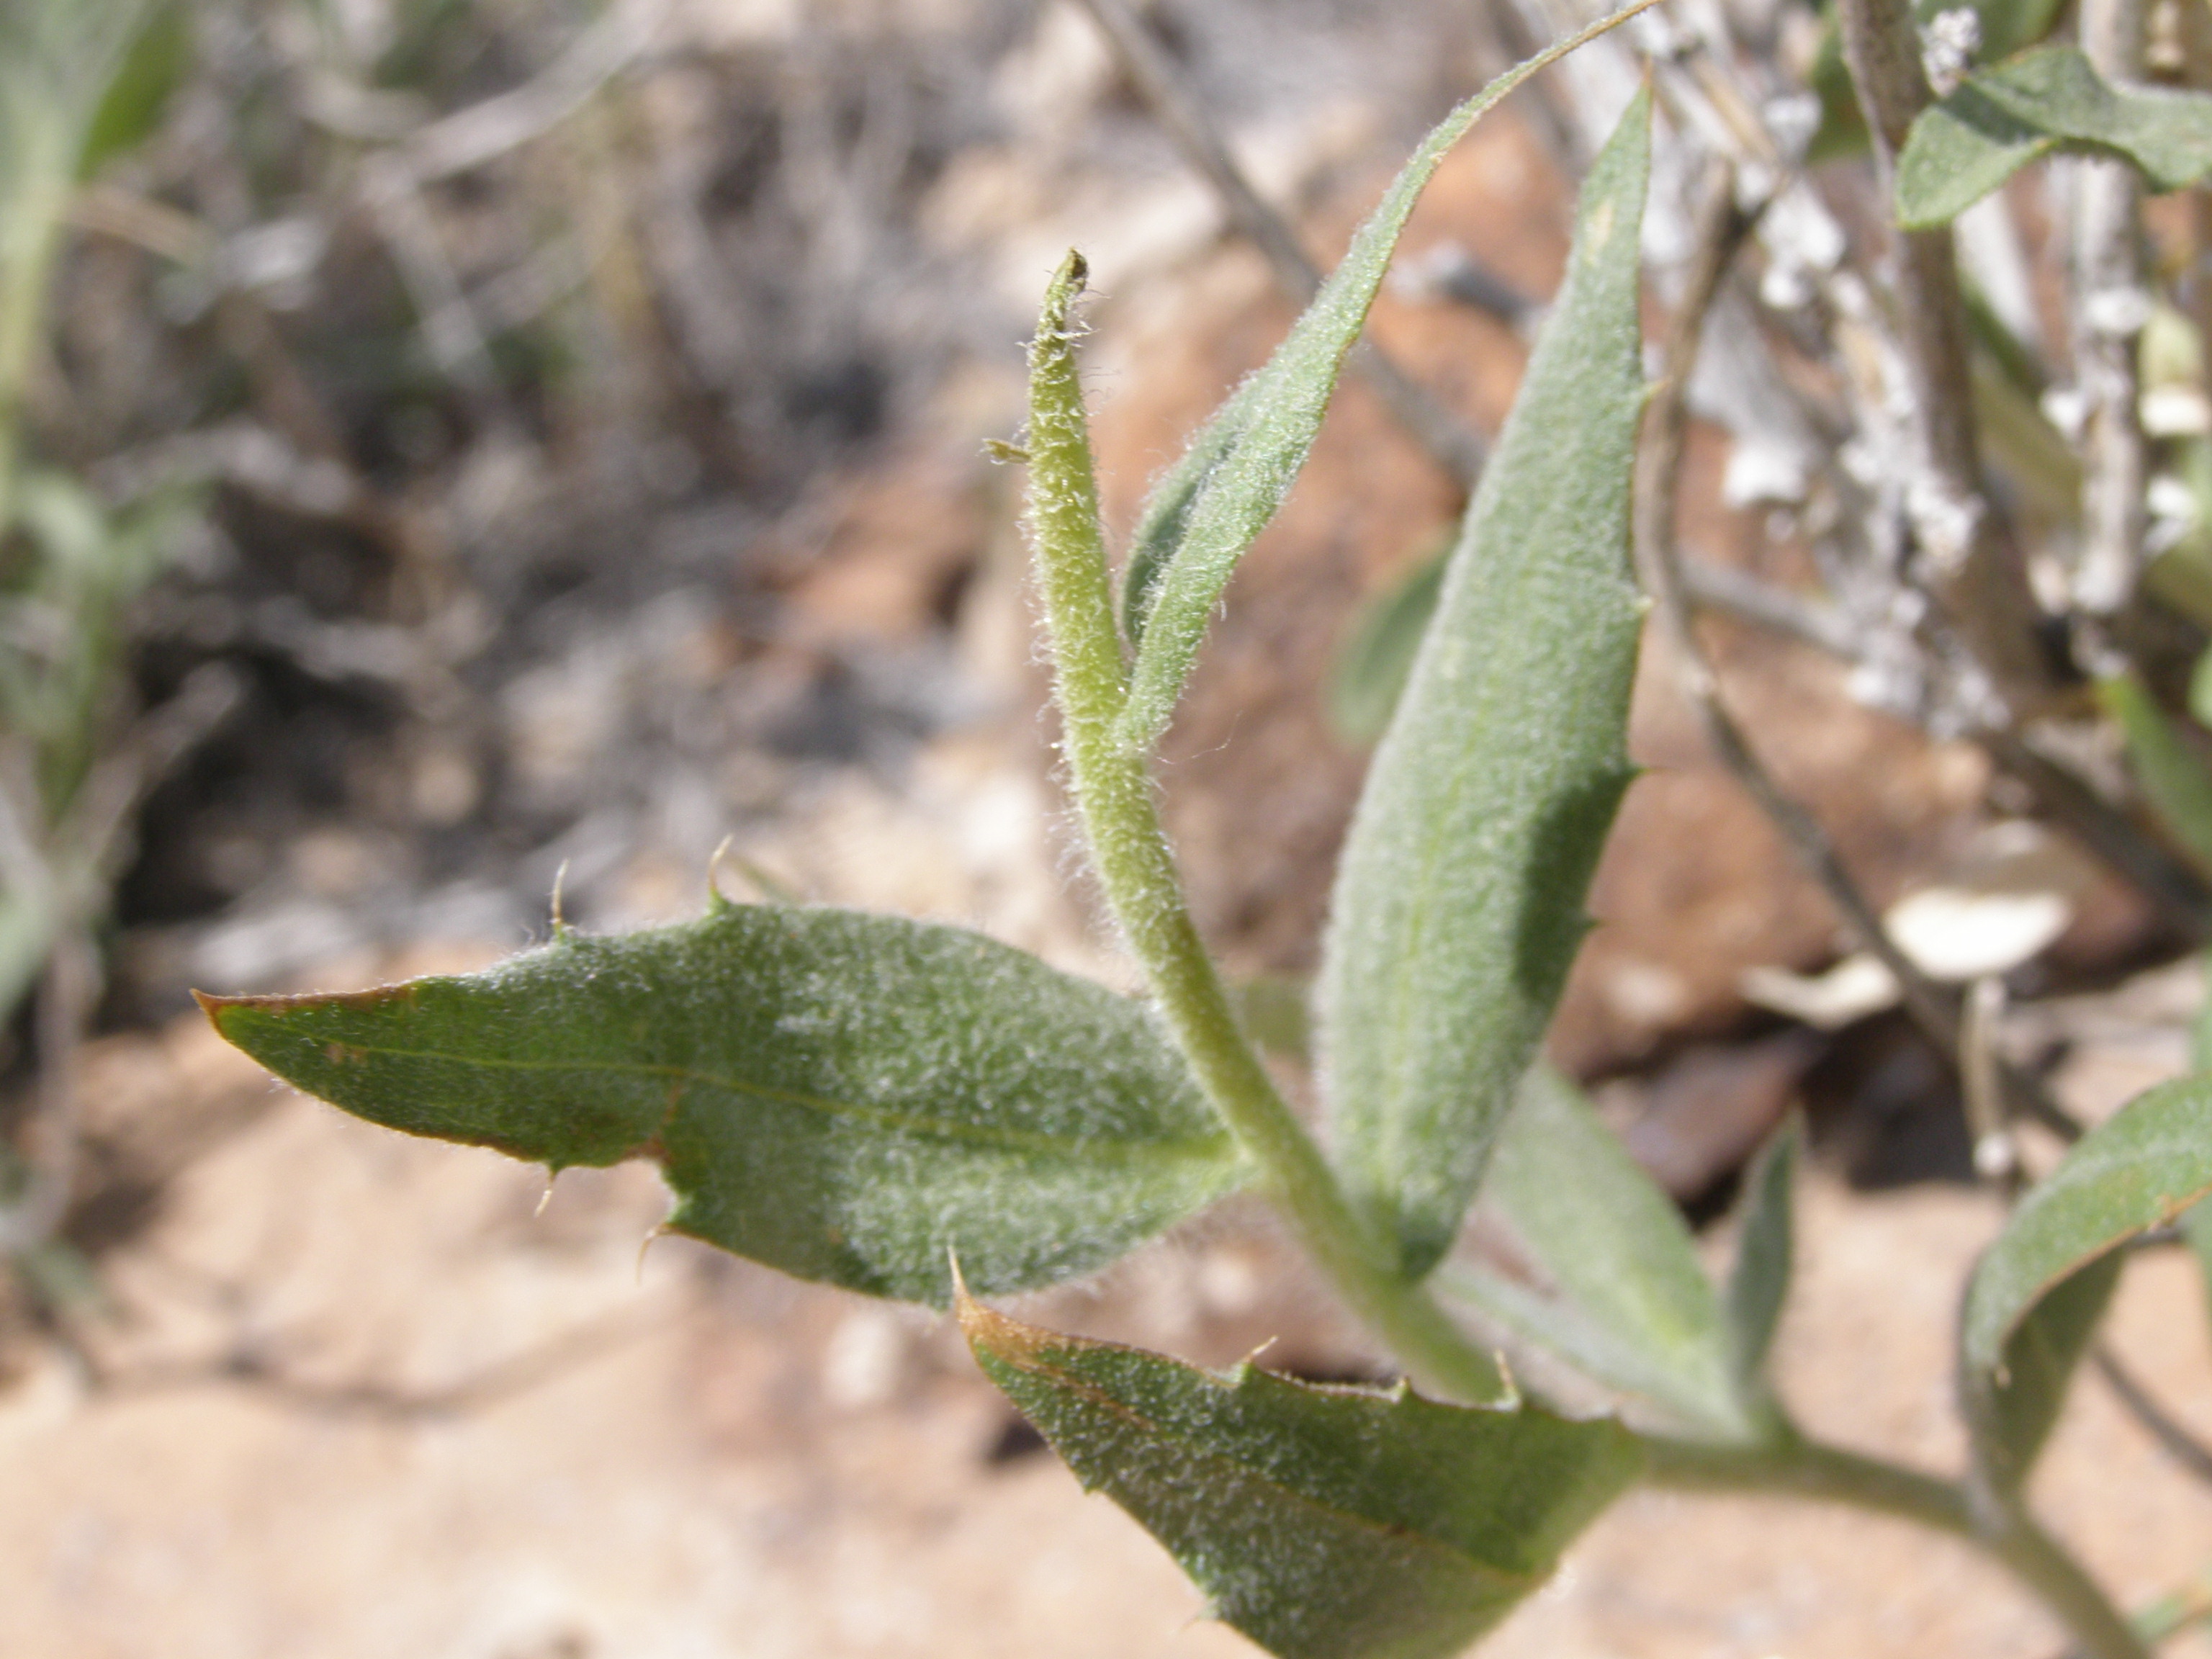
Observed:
{"x":1113,"y":788}
{"x":1797,"y":1467}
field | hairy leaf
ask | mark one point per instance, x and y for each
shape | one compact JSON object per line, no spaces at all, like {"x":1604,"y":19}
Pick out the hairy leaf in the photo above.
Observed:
{"x":1324,"y":1523}
{"x":1999,"y":120}
{"x":1459,"y":900}
{"x":2172,"y":779}
{"x":1377,"y":656}
{"x":1207,"y":510}
{"x":1630,"y":1305}
{"x":1766,"y":1250}
{"x":841,"y":1095}
{"x":2034,"y":1298}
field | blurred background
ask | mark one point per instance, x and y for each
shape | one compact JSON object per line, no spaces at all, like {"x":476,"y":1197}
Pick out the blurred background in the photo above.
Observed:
{"x":452,"y":448}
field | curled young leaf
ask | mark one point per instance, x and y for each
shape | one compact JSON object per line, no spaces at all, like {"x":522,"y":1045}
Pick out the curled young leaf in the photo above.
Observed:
{"x":1998,"y":121}
{"x":1324,"y":1523}
{"x":2037,"y":1292}
{"x":844,"y":1097}
{"x":1459,"y":900}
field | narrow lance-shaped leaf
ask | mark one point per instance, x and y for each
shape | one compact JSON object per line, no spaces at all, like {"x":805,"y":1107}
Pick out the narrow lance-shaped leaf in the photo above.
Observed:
{"x":1999,"y":120}
{"x":1377,"y":656}
{"x":1627,"y":1304}
{"x":1207,"y":510}
{"x":2172,"y":779}
{"x":1459,"y":900}
{"x":1766,"y":1251}
{"x":1324,"y":1523}
{"x":843,"y":1096}
{"x":2045,"y":1279}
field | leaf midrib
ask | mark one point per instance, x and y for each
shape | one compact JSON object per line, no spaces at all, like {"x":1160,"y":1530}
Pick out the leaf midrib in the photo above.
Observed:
{"x":1180,"y":1146}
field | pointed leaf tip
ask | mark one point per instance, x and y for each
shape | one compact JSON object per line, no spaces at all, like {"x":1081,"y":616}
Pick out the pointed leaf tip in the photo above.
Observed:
{"x":1325,"y":1523}
{"x":1206,"y":512}
{"x":844,"y":1097}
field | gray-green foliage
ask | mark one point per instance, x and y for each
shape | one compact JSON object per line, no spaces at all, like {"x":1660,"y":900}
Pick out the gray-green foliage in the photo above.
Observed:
{"x":1999,"y":120}
{"x":1765,"y":1256}
{"x":1459,"y":898}
{"x":1205,"y":511}
{"x":80,"y":82}
{"x":845,"y":1097}
{"x":1622,"y":1298}
{"x":1377,"y":656}
{"x":1323,"y":1522}
{"x":2005,"y":26}
{"x":2037,"y":1292}
{"x":2174,"y":779}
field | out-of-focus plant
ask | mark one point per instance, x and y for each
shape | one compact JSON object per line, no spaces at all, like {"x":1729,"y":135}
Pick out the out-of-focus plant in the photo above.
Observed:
{"x":79,"y":84}
{"x":916,"y":1112}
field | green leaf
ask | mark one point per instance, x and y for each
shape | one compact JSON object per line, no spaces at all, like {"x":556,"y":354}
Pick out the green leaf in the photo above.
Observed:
{"x":2000,"y":120}
{"x":1459,"y":899}
{"x":1276,"y":1011}
{"x":1324,"y":1523}
{"x":2139,"y":1169}
{"x":2007,"y":26}
{"x":1204,"y":514}
{"x":151,"y":71}
{"x":1377,"y":656}
{"x":841,"y":1095}
{"x":1758,"y":1280}
{"x":2011,"y":1410}
{"x":2172,"y":779}
{"x":1628,"y":1305}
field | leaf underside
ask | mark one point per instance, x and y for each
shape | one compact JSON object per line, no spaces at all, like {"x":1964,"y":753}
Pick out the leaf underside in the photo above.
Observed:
{"x":1323,"y":1522}
{"x":1759,"y":1281}
{"x":2035,"y":1294}
{"x":842,"y":1096}
{"x":1459,"y":900}
{"x":1999,"y":120}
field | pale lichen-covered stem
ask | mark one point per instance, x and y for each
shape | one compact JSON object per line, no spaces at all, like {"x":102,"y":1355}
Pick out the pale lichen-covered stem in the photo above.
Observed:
{"x":1794,"y":1466}
{"x":2111,"y":303}
{"x":1968,"y":556}
{"x":1113,"y":789}
{"x":1720,"y":234}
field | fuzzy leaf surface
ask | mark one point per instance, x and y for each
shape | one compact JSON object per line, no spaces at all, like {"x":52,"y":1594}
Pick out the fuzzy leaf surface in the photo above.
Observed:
{"x":842,"y":1096}
{"x":1203,"y":515}
{"x":1323,"y":1522}
{"x":2036,"y":1292}
{"x":1999,"y":120}
{"x":1458,"y":905}
{"x":1630,"y":1306}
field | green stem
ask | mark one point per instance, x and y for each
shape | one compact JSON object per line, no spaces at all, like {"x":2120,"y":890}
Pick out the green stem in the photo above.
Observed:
{"x":1113,"y":788}
{"x":1797,"y":1467}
